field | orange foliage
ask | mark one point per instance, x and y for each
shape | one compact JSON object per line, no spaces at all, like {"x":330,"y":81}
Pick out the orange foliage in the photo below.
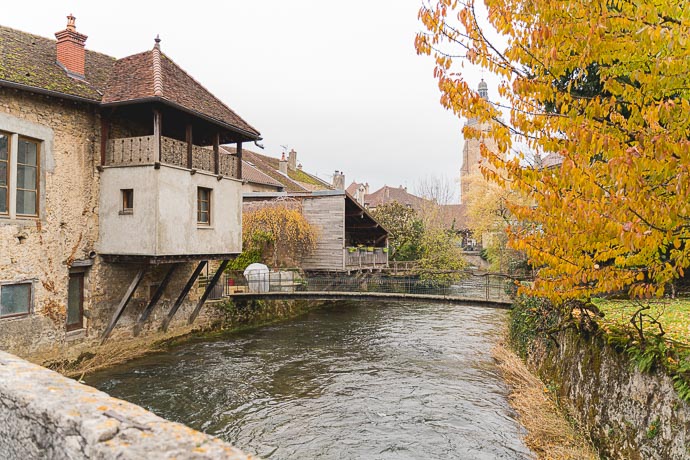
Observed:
{"x":283,"y":227}
{"x":616,"y":215}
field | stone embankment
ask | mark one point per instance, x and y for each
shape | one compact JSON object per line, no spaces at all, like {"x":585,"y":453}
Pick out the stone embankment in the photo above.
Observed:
{"x":46,"y":415}
{"x":625,"y":412}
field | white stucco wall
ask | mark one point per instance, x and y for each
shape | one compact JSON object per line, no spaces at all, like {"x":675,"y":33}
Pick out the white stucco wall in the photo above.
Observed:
{"x":164,"y":218}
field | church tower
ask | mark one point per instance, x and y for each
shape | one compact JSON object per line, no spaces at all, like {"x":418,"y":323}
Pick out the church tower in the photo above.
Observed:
{"x":471,"y":152}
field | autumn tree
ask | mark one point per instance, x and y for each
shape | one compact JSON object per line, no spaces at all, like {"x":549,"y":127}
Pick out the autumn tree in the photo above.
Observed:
{"x":405,"y":229}
{"x":439,"y":250}
{"x":488,"y":216}
{"x":279,"y":232}
{"x":605,"y":85}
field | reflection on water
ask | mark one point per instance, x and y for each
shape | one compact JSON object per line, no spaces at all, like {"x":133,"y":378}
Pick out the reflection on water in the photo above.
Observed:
{"x":354,"y":380}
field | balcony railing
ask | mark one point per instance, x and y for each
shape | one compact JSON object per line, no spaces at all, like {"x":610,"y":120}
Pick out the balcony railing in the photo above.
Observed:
{"x":132,"y":151}
{"x":365,"y":258}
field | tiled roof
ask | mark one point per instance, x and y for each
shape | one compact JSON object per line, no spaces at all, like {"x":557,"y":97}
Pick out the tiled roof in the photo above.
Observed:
{"x":253,"y":174}
{"x":353,"y":187}
{"x":296,"y":181}
{"x":152,"y":74}
{"x":31,"y":61}
{"x":453,"y":216}
{"x":387,"y":194}
{"x":249,"y":171}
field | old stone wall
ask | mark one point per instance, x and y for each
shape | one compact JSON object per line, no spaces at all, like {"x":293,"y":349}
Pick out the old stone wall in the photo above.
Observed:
{"x":42,"y":250}
{"x":628,"y":414}
{"x":46,"y":415}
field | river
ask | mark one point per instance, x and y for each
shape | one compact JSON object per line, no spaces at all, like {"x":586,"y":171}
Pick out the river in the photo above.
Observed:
{"x":352,"y":380}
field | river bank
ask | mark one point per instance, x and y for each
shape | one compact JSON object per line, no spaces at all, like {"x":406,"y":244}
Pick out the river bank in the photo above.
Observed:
{"x":551,"y":432}
{"x":626,"y":412}
{"x":227,"y":317}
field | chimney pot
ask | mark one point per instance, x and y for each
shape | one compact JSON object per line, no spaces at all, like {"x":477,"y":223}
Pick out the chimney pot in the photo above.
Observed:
{"x":70,"y":23}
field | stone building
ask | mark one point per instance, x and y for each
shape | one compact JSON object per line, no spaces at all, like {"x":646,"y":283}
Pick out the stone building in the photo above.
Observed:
{"x":471,"y":153}
{"x":114,"y":192}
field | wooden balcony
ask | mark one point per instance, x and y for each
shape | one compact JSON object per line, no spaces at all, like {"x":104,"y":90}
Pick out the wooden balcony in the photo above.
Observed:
{"x":133,"y":151}
{"x":363,"y":258}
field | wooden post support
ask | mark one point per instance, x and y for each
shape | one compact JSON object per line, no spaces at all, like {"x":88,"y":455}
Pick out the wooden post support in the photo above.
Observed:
{"x":105,"y":133}
{"x":190,"y":163}
{"x":154,"y":300}
{"x":123,"y":303}
{"x":239,"y":160}
{"x":183,"y":294}
{"x":157,"y":128}
{"x":216,"y":153}
{"x":209,"y":288}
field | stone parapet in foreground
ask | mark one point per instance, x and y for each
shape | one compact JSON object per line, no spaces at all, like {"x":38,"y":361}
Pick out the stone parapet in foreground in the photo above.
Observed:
{"x":45,"y":415}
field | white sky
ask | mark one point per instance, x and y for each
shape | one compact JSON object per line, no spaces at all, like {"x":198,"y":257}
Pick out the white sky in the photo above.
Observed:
{"x":338,"y":81}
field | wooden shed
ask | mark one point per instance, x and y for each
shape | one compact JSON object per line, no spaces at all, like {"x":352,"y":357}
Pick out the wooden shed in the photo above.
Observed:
{"x":349,"y":238}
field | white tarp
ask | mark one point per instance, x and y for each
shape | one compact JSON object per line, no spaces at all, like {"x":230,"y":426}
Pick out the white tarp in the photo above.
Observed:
{"x":257,"y":276}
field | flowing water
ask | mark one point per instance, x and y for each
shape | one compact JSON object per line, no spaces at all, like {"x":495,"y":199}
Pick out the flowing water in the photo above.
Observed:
{"x":353,"y":380}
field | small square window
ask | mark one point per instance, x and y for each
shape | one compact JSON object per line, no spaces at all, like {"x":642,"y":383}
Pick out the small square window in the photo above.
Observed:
{"x":15,"y":299}
{"x":127,"y":201}
{"x":203,"y":206}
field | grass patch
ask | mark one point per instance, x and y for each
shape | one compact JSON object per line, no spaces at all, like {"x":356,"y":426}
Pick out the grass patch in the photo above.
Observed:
{"x":672,"y":314}
{"x":655,"y":334}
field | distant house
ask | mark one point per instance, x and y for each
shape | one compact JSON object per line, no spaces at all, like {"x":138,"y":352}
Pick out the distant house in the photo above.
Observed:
{"x":358,"y":191}
{"x":451,"y":216}
{"x":386,"y":195}
{"x":113,"y":189}
{"x":349,"y":237}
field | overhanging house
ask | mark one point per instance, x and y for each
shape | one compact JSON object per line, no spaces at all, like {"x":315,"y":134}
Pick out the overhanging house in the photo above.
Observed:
{"x":111,"y":178}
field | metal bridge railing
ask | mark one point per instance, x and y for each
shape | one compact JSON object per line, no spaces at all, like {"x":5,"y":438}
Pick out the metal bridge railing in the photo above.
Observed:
{"x":470,"y":285}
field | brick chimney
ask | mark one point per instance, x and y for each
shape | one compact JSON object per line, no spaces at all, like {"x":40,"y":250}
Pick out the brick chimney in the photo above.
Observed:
{"x":292,"y":159}
{"x":70,"y":49}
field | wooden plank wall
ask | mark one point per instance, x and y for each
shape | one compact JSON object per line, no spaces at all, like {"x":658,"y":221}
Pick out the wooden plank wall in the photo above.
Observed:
{"x":327,"y":213}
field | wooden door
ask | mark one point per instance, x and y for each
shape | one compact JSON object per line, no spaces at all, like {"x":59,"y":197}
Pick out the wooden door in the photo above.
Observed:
{"x":75,"y":302}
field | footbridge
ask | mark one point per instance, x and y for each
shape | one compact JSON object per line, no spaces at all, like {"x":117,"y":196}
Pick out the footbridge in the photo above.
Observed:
{"x":462,"y":287}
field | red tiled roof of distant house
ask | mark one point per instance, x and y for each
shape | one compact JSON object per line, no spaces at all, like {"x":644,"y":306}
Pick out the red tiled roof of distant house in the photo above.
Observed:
{"x":353,"y":187}
{"x":387,"y":194}
{"x":249,"y":171}
{"x":253,"y":174}
{"x":453,"y":216}
{"x":296,"y":181}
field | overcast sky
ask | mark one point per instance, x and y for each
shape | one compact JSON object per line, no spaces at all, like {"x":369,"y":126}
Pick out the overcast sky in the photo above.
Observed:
{"x":338,"y":81}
